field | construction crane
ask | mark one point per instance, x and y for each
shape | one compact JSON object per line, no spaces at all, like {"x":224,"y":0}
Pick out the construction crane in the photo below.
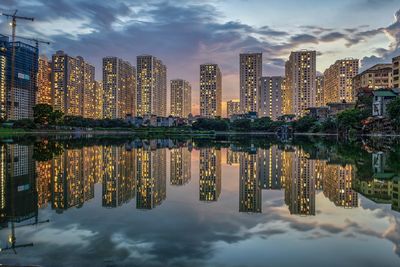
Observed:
{"x":36,"y":41}
{"x":14,"y":19}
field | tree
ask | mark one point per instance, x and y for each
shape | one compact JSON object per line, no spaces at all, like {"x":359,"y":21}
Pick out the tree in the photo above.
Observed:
{"x":210,"y":125}
{"x":41,"y":113}
{"x":24,"y":124}
{"x":393,"y":110}
{"x":304,"y":124}
{"x":241,"y":124}
{"x":55,"y":117}
{"x":349,"y":120}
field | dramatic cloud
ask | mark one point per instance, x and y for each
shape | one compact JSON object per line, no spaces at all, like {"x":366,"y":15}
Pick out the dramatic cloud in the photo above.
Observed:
{"x":185,"y":34}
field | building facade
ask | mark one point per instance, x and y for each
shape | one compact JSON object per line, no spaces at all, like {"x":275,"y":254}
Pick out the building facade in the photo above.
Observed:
{"x":72,"y":85}
{"x":43,"y":95}
{"x":151,"y":86}
{"x":210,"y":91}
{"x":338,"y":83}
{"x":181,"y":98}
{"x":300,"y":83}
{"x":17,"y":101}
{"x":119,"y":88}
{"x":270,"y":97}
{"x":376,"y":77}
{"x":250,"y":74}
{"x":396,"y":71}
{"x":320,"y":100}
{"x":233,"y":107}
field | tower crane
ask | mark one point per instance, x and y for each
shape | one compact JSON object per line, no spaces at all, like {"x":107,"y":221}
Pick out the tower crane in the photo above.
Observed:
{"x":14,"y":19}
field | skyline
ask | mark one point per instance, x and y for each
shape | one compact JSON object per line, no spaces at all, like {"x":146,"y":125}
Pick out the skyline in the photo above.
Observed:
{"x":214,"y":32}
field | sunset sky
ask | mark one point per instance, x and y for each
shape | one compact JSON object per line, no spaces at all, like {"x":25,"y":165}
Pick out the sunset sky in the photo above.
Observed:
{"x":186,"y":33}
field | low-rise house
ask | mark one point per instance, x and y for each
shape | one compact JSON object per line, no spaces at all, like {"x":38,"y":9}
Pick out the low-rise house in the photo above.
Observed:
{"x":319,"y":113}
{"x":250,"y":115}
{"x":335,"y":108}
{"x":381,"y":99}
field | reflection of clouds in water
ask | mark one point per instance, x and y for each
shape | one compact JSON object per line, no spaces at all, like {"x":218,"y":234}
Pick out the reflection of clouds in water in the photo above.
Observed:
{"x":137,"y":249}
{"x":70,"y":235}
{"x":393,"y":234}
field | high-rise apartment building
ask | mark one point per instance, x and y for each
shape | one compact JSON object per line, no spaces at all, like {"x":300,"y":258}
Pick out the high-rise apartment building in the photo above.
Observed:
{"x":43,"y":95}
{"x":119,"y":88}
{"x":99,"y":97}
{"x":72,"y":85}
{"x":300,"y":83}
{"x":338,"y":83}
{"x":151,"y":86}
{"x":89,"y":91}
{"x":250,"y":74}
{"x":320,"y":100}
{"x":233,"y":107}
{"x":17,"y":101}
{"x":270,"y":97}
{"x":181,"y":98}
{"x":396,"y":71}
{"x":210,"y":90}
{"x":377,"y":77}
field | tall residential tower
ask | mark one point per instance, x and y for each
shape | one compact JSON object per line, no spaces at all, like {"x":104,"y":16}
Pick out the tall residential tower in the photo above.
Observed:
{"x":250,"y":74}
{"x":151,"y":86}
{"x":338,"y":81}
{"x":119,"y":88}
{"x":270,"y":97}
{"x":181,"y":98}
{"x":210,"y":90}
{"x":300,"y":84}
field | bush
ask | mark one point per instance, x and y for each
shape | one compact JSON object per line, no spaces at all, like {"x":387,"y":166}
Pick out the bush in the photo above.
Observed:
{"x":24,"y":124}
{"x":210,"y":125}
{"x":393,"y":110}
{"x":241,"y":125}
{"x":304,"y":124}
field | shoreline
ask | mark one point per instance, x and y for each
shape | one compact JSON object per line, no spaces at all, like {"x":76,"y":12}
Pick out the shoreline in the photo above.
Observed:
{"x":172,"y":133}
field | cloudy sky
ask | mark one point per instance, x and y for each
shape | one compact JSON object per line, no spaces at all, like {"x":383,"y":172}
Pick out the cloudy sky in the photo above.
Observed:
{"x":186,"y":33}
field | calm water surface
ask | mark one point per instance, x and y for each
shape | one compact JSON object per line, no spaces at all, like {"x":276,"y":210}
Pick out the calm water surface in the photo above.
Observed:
{"x":199,"y":202}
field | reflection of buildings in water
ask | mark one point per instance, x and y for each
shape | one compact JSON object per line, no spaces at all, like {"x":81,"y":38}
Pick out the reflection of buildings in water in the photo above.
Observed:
{"x":151,"y":177}
{"x":43,"y":182}
{"x":119,"y":179}
{"x":180,"y":168}
{"x":17,"y":184}
{"x":381,"y":191}
{"x":338,"y":185}
{"x":269,"y":168}
{"x":396,"y":194}
{"x":299,"y":173}
{"x":68,"y":185}
{"x":320,"y":169}
{"x":232,"y":156}
{"x":249,"y":183}
{"x":210,"y":174}
{"x":383,"y":186}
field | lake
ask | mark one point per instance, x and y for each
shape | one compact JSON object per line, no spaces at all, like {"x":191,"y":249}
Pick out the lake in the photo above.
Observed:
{"x":224,"y":201}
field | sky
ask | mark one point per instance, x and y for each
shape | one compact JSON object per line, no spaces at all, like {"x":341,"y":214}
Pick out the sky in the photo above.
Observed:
{"x":187,"y":33}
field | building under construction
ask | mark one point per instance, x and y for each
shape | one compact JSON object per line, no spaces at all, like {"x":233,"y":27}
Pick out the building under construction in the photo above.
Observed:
{"x":25,"y":75}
